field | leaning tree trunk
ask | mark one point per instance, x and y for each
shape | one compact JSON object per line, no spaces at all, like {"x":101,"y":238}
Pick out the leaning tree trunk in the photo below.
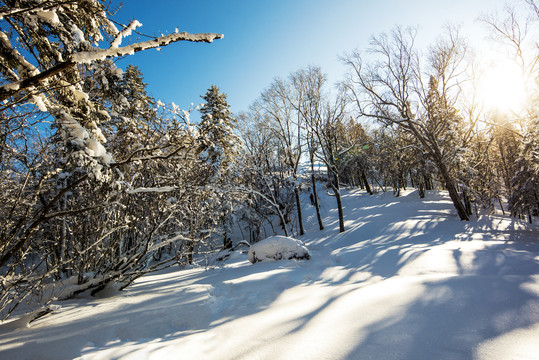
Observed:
{"x":453,"y":194}
{"x":366,"y":182}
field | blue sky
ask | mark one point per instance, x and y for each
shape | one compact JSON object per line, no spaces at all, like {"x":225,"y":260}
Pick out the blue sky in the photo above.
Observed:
{"x":268,"y":39}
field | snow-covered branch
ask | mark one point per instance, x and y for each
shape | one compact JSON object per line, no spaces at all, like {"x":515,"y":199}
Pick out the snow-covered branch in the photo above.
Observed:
{"x":124,"y":33}
{"x":42,"y":7}
{"x":9,"y":90}
{"x":102,"y":54}
{"x":162,"y":189}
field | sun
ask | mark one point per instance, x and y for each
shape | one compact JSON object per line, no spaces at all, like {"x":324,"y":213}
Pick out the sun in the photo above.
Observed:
{"x":502,"y":87}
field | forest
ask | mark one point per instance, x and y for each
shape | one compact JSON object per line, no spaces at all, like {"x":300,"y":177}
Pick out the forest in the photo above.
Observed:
{"x":101,"y":183}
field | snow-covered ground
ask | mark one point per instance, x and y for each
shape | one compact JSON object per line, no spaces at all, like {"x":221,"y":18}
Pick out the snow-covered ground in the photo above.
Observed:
{"x":407,"y":280}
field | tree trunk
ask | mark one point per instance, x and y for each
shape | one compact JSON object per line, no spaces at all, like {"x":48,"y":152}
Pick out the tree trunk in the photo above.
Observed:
{"x":336,"y":189}
{"x":366,"y":182}
{"x":315,"y":193}
{"x":467,"y":203}
{"x":428,"y":182}
{"x":227,"y":242}
{"x":501,"y":205}
{"x":421,"y":189}
{"x":453,"y":194}
{"x":300,"y":215}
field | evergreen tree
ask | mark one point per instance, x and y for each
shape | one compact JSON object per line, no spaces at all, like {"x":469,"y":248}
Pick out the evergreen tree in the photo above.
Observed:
{"x":219,"y":144}
{"x":525,"y":193}
{"x":218,"y":150}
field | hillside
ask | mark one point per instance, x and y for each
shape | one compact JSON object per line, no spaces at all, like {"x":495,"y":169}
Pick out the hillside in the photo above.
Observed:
{"x":407,"y":280}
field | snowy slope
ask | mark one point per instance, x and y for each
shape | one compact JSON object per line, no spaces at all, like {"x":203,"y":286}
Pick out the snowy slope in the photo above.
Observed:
{"x":407,"y":280}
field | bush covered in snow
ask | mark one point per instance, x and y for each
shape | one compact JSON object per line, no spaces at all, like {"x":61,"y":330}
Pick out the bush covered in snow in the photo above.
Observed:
{"x":278,"y":248}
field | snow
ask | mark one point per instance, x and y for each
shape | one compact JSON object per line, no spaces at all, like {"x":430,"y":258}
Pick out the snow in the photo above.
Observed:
{"x":49,"y":16}
{"x":11,"y":86}
{"x":101,"y":54}
{"x":38,"y":101}
{"x":78,"y":35}
{"x":162,"y":189}
{"x":94,"y":148}
{"x":278,"y":248}
{"x":406,"y":280}
{"x":79,"y":95}
{"x":124,"y":33}
{"x":24,"y":321}
{"x":73,"y":127}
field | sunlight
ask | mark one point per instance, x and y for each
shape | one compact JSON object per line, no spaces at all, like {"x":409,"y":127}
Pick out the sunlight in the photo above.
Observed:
{"x":502,"y":87}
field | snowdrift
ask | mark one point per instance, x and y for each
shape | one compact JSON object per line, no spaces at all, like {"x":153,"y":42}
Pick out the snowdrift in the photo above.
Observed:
{"x":278,"y":248}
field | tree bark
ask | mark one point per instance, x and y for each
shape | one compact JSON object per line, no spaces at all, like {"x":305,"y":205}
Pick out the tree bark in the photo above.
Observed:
{"x":453,"y":194}
{"x":336,"y":189}
{"x":300,"y":215}
{"x":366,"y":182}
{"x":315,"y":193}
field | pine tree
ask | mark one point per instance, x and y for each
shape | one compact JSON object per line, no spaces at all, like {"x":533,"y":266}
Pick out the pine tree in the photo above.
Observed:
{"x":219,"y":144}
{"x":218,"y":150}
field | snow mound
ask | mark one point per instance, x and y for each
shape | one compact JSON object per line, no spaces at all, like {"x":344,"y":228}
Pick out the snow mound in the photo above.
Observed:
{"x":278,"y":248}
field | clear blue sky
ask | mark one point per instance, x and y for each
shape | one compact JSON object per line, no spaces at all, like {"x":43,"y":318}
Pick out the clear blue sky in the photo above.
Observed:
{"x":268,"y":39}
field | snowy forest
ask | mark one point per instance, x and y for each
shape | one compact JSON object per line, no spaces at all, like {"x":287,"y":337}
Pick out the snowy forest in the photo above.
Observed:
{"x":101,"y":183}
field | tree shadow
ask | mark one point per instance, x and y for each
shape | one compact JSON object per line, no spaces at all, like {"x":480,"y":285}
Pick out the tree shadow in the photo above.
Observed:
{"x":451,"y":320}
{"x":162,"y":316}
{"x":447,"y":318}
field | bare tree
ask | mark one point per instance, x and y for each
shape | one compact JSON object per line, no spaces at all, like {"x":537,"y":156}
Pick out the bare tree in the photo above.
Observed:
{"x":286,"y":125}
{"x":322,"y":116}
{"x":392,"y":91}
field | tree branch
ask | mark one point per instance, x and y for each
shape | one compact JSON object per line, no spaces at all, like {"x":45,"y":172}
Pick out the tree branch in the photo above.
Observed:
{"x":9,"y":90}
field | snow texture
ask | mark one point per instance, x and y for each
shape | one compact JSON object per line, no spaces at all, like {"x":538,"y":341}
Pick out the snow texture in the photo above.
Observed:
{"x":14,"y":86}
{"x":49,"y":16}
{"x":38,"y":101}
{"x":94,"y":148}
{"x":72,"y":127}
{"x":124,"y":33}
{"x":78,"y":35}
{"x":278,"y":248}
{"x":25,"y":320}
{"x":406,"y":280}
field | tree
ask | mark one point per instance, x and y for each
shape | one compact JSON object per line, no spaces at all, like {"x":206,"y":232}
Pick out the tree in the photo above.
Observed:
{"x":391,"y":91}
{"x":355,"y":164}
{"x":219,"y":145}
{"x":65,"y":178}
{"x":322,"y":117}
{"x":219,"y":148}
{"x":286,"y":125}
{"x":514,"y":35}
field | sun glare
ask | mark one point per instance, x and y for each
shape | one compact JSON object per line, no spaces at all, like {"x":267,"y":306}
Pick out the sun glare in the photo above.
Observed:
{"x":502,"y":87}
